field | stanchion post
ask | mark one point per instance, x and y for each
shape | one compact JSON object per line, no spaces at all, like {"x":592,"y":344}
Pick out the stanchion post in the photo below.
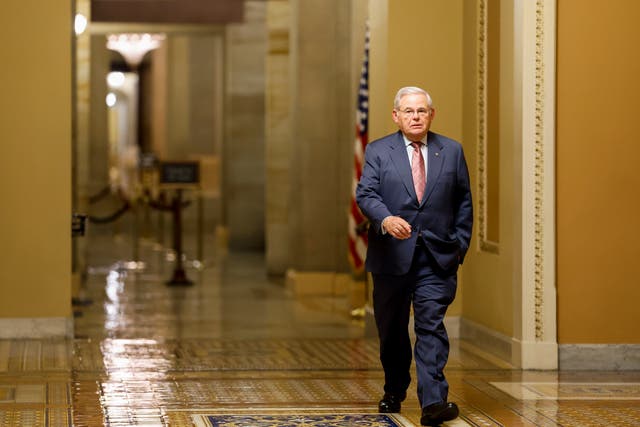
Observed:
{"x":179,"y":275}
{"x":134,"y":232}
{"x":200,"y":230}
{"x":179,"y":176}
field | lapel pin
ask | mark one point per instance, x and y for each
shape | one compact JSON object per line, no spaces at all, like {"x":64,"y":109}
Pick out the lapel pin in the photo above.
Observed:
{"x":437,"y":154}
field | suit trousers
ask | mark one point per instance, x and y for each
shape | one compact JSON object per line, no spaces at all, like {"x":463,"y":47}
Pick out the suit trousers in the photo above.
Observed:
{"x":431,"y":291}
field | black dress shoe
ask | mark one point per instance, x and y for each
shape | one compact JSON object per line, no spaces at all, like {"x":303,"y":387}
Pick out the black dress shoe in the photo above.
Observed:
{"x":436,"y":414}
{"x":390,"y":403}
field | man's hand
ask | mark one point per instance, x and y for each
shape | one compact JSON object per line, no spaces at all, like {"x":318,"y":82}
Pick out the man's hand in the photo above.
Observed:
{"x":397,"y":227}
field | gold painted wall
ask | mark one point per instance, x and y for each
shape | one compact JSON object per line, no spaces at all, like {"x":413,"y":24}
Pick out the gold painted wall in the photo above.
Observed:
{"x":35,"y":159}
{"x":420,"y":45}
{"x":598,"y":185}
{"x":380,"y":105}
{"x":490,"y":277}
{"x":417,"y":44}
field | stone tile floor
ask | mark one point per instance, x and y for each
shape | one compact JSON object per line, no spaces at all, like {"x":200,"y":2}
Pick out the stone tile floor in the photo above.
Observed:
{"x":238,"y":349}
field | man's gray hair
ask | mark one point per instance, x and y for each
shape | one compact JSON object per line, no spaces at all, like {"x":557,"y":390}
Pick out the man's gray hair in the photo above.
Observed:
{"x":410,"y":90}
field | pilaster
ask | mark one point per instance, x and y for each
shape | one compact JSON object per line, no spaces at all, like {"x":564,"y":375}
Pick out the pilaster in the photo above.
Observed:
{"x":278,"y":143}
{"x":322,"y":131}
{"x":244,"y":144}
{"x":534,"y":344}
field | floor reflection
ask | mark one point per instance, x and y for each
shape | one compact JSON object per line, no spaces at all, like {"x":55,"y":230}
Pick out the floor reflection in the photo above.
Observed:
{"x":239,"y":349}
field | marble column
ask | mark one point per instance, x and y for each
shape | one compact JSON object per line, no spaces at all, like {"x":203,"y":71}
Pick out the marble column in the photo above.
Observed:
{"x":244,"y":146}
{"x":278,"y":137}
{"x":322,"y":123}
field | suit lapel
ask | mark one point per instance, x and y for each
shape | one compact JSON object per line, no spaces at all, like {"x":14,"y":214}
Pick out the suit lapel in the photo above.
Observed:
{"x":434,"y":165}
{"x":398,"y":154}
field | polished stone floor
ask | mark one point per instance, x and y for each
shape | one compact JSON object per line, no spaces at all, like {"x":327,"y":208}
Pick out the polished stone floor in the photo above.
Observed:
{"x":239,"y":349}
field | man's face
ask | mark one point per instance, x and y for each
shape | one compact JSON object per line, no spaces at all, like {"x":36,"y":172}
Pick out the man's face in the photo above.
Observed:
{"x":413,"y":116}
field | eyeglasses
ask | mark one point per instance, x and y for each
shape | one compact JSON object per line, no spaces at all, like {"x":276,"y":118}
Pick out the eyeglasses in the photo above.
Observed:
{"x":422,"y":112}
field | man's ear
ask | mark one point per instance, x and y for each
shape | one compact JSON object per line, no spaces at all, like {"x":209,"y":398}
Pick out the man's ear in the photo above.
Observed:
{"x":394,"y":116}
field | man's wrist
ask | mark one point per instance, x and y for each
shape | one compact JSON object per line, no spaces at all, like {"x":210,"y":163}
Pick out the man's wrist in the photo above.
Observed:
{"x":382,"y":226}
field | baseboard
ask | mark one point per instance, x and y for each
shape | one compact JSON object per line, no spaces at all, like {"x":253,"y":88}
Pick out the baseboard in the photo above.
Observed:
{"x":36,"y":328}
{"x":452,"y":323}
{"x":521,"y":354}
{"x":609,"y":357}
{"x":486,"y":339}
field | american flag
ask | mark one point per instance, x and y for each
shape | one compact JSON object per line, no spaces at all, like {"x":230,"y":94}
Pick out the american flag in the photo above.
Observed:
{"x":357,"y":221}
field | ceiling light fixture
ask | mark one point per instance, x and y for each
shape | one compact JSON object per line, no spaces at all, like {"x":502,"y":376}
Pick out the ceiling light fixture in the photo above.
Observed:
{"x":133,"y":46}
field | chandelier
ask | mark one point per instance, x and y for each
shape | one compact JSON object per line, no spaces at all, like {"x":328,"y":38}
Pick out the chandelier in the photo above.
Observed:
{"x":133,"y":46}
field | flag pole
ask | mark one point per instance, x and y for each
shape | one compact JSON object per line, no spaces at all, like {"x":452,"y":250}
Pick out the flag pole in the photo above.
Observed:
{"x":358,"y":223}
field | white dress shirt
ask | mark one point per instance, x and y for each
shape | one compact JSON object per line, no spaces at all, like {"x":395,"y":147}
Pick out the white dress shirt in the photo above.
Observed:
{"x":410,"y":149}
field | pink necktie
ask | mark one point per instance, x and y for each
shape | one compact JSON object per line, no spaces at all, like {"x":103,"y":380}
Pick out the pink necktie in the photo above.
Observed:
{"x":417,"y":169}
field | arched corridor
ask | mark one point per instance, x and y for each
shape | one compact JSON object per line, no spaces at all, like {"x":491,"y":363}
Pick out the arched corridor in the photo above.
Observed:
{"x":252,"y":105}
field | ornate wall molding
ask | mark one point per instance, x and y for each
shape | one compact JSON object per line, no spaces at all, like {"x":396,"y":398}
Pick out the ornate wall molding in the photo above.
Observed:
{"x":485,"y":244}
{"x":539,"y":172}
{"x":538,"y":294}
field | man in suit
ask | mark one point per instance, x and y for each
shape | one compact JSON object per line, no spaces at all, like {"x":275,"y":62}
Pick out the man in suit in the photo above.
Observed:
{"x":415,"y":192}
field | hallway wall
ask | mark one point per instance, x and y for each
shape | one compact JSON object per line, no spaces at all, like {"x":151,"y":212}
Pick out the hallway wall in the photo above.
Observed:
{"x":35,"y":168}
{"x":417,"y":44}
{"x":598,"y":180}
{"x":491,"y":274}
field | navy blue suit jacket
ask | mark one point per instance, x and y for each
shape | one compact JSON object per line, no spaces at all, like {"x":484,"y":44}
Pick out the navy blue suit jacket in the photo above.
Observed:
{"x":443,"y":219}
